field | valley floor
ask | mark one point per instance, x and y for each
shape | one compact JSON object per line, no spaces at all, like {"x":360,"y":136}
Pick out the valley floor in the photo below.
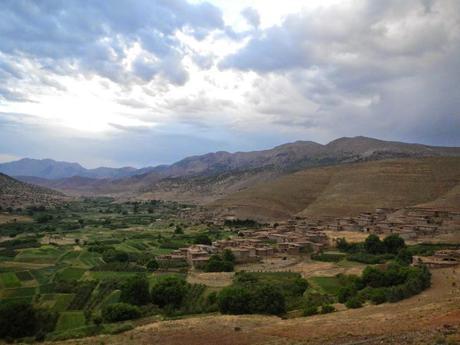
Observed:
{"x":432,"y":317}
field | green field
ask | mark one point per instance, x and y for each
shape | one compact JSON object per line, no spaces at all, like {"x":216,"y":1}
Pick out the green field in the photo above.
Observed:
{"x":70,"y":320}
{"x":9,"y":280}
{"x":70,"y":273}
{"x":329,"y":285}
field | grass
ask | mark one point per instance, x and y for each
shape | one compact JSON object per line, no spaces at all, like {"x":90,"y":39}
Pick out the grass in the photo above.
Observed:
{"x":9,"y":280}
{"x":62,"y":301}
{"x":24,"y":276}
{"x":329,"y":285}
{"x":70,"y":273}
{"x":103,"y":275}
{"x":70,"y":320}
{"x":19,"y":292}
{"x":44,"y":254}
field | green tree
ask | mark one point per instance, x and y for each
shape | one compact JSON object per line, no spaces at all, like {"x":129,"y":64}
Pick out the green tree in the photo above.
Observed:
{"x":228,"y":255}
{"x":268,"y":299}
{"x":112,"y":255}
{"x":393,"y":243}
{"x":373,"y":245}
{"x":152,"y":265}
{"x":234,"y":300}
{"x":135,"y":291}
{"x":169,"y":291}
{"x":203,"y":239}
{"x":120,"y":312}
{"x":17,"y":320}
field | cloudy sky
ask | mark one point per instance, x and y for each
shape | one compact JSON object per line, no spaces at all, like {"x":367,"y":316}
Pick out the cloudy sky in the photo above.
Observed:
{"x":151,"y":81}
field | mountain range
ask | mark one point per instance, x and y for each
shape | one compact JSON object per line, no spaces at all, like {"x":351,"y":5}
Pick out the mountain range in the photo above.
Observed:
{"x":222,"y":179}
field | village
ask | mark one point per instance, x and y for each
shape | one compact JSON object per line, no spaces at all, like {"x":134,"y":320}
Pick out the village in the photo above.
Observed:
{"x":302,"y":236}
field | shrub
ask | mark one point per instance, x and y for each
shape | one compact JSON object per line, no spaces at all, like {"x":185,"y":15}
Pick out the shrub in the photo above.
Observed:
{"x":203,"y":239}
{"x":373,"y":245}
{"x":234,"y":300}
{"x":152,"y":265}
{"x":135,"y":291}
{"x":393,"y":244}
{"x":354,"y":303}
{"x":169,"y":291}
{"x":217,"y":264}
{"x":113,"y":255}
{"x":377,"y":296}
{"x":310,"y":310}
{"x":345,"y":293}
{"x":120,"y":312}
{"x":17,"y":320}
{"x":268,"y":299}
{"x":326,"y":309}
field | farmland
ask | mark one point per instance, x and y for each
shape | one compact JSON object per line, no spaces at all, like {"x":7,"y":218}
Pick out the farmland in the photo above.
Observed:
{"x":77,"y":263}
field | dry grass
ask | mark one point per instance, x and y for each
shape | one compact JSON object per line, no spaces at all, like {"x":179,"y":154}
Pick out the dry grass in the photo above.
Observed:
{"x":211,"y":279}
{"x":11,"y":218}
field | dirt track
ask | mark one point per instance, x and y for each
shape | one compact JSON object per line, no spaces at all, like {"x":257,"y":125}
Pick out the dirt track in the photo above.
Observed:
{"x":427,"y":318}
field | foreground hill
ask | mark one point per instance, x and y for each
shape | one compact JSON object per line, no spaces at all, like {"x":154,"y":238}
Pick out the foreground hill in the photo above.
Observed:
{"x":350,"y":189}
{"x":14,"y":193}
{"x":432,"y":317}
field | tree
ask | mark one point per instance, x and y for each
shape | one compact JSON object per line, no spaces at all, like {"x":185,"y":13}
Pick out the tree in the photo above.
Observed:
{"x":203,"y":239}
{"x":112,"y":255}
{"x":135,"y":290}
{"x":268,"y":299}
{"x":354,"y":303}
{"x":152,"y":265}
{"x":234,"y":300}
{"x":178,"y":230}
{"x":373,"y":245}
{"x":169,"y":291}
{"x":120,"y":312}
{"x":393,"y":243}
{"x":228,"y":255}
{"x":17,"y":320}
{"x":404,"y":257}
{"x":216,"y":264}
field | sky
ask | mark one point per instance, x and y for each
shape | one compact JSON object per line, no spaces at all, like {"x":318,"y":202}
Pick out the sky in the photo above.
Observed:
{"x":147,"y":82}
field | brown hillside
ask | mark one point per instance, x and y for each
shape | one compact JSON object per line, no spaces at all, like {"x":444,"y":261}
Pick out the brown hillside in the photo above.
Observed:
{"x":14,"y":193}
{"x":347,"y":190}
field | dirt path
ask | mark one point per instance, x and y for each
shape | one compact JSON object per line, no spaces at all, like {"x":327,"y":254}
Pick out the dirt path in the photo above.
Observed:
{"x":427,"y":318}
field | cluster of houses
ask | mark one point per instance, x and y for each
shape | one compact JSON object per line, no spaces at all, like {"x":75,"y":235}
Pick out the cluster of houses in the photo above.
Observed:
{"x":287,"y":238}
{"x":409,"y":223}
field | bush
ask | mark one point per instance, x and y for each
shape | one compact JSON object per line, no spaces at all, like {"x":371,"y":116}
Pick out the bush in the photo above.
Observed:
{"x":354,"y":303}
{"x":326,"y":309}
{"x":393,"y":244}
{"x":120,"y":312}
{"x":268,"y":299}
{"x":113,"y":255}
{"x":17,"y":320}
{"x":234,"y":300}
{"x":217,"y":264}
{"x":373,"y":245}
{"x":377,"y":296}
{"x":345,"y":293}
{"x":135,"y":291}
{"x":169,"y":291}
{"x":203,"y":239}
{"x":310,"y":310}
{"x":152,"y":265}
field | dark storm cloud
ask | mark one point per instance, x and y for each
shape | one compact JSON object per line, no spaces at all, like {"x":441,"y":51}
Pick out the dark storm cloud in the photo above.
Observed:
{"x":93,"y":36}
{"x":384,"y":68}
